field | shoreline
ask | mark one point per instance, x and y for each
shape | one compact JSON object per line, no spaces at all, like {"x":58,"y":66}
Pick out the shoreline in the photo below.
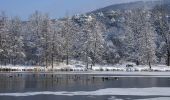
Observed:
{"x":99,"y":73}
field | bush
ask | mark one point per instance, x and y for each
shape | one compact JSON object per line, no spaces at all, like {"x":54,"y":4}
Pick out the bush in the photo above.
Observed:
{"x":101,"y":69}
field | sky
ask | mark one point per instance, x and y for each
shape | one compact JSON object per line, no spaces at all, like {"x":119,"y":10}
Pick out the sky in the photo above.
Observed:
{"x":55,"y":8}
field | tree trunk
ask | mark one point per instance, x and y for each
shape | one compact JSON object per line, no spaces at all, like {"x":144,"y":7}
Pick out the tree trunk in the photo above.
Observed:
{"x":67,"y":58}
{"x":150,"y":67}
{"x":168,"y":58}
{"x":46,"y":53}
{"x":87,"y":61}
{"x":46,"y":61}
{"x":52,"y":55}
{"x":95,"y":46}
{"x":67,"y":51}
{"x":52,"y":61}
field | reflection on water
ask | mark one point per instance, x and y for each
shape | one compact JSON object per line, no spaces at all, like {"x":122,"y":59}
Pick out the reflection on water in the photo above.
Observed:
{"x":51,"y":97}
{"x":54,"y":82}
{"x":40,"y":82}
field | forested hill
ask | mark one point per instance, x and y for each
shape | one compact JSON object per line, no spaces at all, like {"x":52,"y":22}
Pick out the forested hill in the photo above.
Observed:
{"x":115,"y":19}
{"x":131,"y":5}
{"x":107,"y":12}
{"x":133,"y":32}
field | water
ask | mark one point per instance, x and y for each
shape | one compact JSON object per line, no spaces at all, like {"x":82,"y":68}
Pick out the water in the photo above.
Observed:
{"x":34,"y":86}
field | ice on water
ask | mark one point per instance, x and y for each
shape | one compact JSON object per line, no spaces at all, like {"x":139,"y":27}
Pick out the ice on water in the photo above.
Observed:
{"x":153,"y":91}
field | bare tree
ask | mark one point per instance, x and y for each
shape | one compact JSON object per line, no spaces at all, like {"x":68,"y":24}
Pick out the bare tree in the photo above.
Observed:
{"x":141,"y":36}
{"x":16,"y":41}
{"x":68,"y":30}
{"x":162,"y":24}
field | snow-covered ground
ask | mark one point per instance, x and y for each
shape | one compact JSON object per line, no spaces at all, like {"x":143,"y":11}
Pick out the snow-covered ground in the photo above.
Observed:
{"x":135,"y":68}
{"x":21,"y":68}
{"x":79,"y":66}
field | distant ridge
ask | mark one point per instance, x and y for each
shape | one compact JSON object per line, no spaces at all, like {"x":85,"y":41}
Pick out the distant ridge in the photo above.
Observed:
{"x":132,"y":5}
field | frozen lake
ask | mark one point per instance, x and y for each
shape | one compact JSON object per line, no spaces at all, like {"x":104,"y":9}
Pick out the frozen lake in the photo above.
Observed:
{"x":34,"y":86}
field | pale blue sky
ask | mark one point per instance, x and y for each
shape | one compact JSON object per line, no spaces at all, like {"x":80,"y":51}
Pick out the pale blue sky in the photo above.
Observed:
{"x":55,"y":8}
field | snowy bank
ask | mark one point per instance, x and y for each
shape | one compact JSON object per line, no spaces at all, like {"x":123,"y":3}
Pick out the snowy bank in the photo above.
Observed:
{"x":79,"y":66}
{"x":21,"y":68}
{"x":132,"y":68}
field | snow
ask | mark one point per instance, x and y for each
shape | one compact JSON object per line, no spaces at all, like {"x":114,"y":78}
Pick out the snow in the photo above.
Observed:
{"x":153,"y":91}
{"x":80,"y":66}
{"x":73,"y":66}
{"x":153,"y":98}
{"x":23,"y":68}
{"x":122,"y":67}
{"x":157,"y":98}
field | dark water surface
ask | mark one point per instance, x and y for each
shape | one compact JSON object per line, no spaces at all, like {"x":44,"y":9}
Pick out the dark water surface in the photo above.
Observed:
{"x":21,"y":83}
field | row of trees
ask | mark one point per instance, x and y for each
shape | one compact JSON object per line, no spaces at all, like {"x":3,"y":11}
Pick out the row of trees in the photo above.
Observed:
{"x":11,"y":45}
{"x":161,"y":19}
{"x":139,"y":35}
{"x":147,"y":31}
{"x":43,"y":41}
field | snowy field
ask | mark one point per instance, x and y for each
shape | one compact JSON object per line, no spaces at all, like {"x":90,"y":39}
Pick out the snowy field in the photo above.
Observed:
{"x":78,"y":67}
